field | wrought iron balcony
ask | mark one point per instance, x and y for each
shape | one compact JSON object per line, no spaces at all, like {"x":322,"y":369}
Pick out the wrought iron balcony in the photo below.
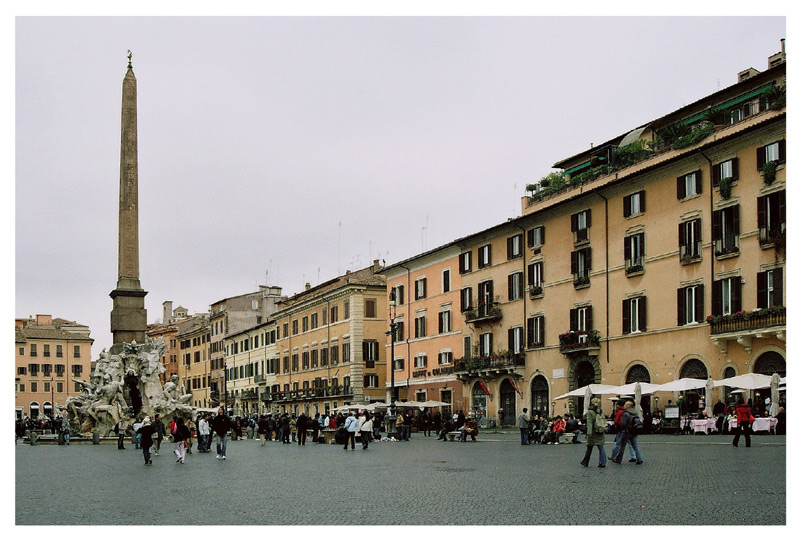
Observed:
{"x":743,"y":326}
{"x":488,"y":365}
{"x":488,"y":312}
{"x":259,"y":379}
{"x":579,"y":340}
{"x":249,"y":394}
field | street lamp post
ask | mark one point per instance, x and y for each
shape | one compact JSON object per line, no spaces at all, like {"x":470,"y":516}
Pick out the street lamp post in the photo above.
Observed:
{"x":391,"y":428}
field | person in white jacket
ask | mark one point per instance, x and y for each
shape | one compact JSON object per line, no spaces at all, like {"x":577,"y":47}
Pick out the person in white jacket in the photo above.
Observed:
{"x":365,"y":427}
{"x":204,"y":433}
{"x":351,"y":425}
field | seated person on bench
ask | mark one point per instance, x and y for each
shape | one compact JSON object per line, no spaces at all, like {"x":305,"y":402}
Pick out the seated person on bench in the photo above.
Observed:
{"x":572,"y":427}
{"x":470,"y":428}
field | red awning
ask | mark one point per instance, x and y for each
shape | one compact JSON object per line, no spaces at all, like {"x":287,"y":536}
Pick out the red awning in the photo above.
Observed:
{"x":514,"y":386}
{"x":483,"y":387}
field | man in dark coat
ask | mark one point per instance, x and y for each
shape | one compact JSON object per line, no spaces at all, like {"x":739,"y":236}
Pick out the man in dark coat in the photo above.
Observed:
{"x":221,"y":424}
{"x":146,"y":432}
{"x":302,"y":427}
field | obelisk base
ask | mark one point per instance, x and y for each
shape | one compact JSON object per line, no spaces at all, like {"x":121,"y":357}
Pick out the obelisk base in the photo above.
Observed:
{"x":128,"y":315}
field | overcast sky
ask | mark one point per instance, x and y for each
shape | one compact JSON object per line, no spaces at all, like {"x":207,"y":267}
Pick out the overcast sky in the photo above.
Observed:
{"x":258,"y":137}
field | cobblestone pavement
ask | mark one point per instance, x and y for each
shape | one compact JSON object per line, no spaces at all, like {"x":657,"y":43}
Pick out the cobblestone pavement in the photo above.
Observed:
{"x":685,"y":480}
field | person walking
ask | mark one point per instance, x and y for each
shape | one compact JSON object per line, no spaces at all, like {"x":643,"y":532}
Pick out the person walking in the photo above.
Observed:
{"x":203,"y":434}
{"x":302,"y":429}
{"x":285,"y":429}
{"x":262,"y":429}
{"x":523,"y":423}
{"x":744,"y":419}
{"x":192,"y":432}
{"x":350,"y":425}
{"x":595,"y":433}
{"x":119,"y":429}
{"x":161,"y":431}
{"x":630,"y":433}
{"x":365,"y":427}
{"x":221,"y":424}
{"x":145,"y":433}
{"x":181,"y":438}
{"x":315,"y":427}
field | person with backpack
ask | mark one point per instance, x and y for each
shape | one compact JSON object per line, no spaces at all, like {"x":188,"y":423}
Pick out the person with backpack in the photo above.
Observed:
{"x":595,"y":433}
{"x":618,"y":429}
{"x":632,"y":425}
{"x":523,"y":423}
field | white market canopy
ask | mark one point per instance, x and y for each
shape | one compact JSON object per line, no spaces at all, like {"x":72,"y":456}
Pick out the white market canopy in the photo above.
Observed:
{"x":630,"y":388}
{"x":748,"y":381}
{"x":581,"y":392}
{"x":681,"y":385}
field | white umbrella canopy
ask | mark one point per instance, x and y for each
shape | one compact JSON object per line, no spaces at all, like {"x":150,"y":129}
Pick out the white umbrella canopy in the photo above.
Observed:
{"x":681,"y":385}
{"x":637,"y":399}
{"x":593,"y":388}
{"x":587,"y":397}
{"x":748,"y":381}
{"x":433,"y":403}
{"x":351,"y":407}
{"x":709,"y":389}
{"x":783,"y":381}
{"x":773,"y":398}
{"x":630,"y":388}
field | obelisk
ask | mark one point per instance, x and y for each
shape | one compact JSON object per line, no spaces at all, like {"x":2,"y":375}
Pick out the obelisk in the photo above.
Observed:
{"x":128,"y":315}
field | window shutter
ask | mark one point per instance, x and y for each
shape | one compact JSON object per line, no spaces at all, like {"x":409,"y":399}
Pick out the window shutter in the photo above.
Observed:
{"x":509,"y":247}
{"x":735,"y":168}
{"x":627,"y":247}
{"x":424,"y":287}
{"x":491,"y":337}
{"x":541,"y":272}
{"x":698,"y":230}
{"x":699,"y":300}
{"x":681,"y":306}
{"x":761,"y":289}
{"x":782,"y":206}
{"x":530,"y":237}
{"x":461,"y":264}
{"x":541,"y":330}
{"x":489,"y":254}
{"x":510,"y":286}
{"x":681,"y":187}
{"x":735,"y":215}
{"x":441,"y":322}
{"x":643,"y":314}
{"x":626,"y":316}
{"x":737,"y":293}
{"x":588,"y":252}
{"x":626,"y":206}
{"x":574,"y":222}
{"x":588,"y":217}
{"x":589,"y":325}
{"x":777,"y":286}
{"x":716,"y":297}
{"x":641,"y":243}
{"x":574,"y":262}
{"x":698,"y":181}
{"x":542,"y":233}
{"x":529,"y":331}
{"x":761,"y":157}
{"x":782,"y":151}
{"x":715,"y":174}
{"x":530,"y":274}
{"x":681,"y":234}
{"x":761,"y":204}
{"x":511,"y":339}
{"x":641,"y":201}
{"x":716,"y":225}
{"x":573,"y":319}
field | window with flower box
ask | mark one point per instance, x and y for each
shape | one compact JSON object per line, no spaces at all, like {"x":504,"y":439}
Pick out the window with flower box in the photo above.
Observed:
{"x":725,"y":230}
{"x":726,"y":296}
{"x":536,"y":331}
{"x":771,"y":217}
{"x":771,"y":152}
{"x":690,"y":240}
{"x":536,"y":277}
{"x":580,"y":224}
{"x":634,"y":253}
{"x":727,"y":170}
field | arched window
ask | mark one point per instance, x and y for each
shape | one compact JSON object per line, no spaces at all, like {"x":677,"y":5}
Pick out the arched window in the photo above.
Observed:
{"x":637,"y":373}
{"x":694,"y":369}
{"x":770,"y":362}
{"x":47,"y":408}
{"x":508,"y":402}
{"x":34,"y":409}
{"x":478,"y":398}
{"x":540,"y":395}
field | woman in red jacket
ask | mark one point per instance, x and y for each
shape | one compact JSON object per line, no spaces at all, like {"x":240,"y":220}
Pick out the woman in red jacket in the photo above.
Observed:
{"x":744,"y":419}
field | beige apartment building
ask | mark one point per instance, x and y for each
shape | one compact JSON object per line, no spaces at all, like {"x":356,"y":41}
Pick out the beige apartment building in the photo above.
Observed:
{"x":194,"y":365}
{"x":664,"y":257}
{"x":49,"y":354}
{"x":251,"y":361}
{"x":330,"y":340}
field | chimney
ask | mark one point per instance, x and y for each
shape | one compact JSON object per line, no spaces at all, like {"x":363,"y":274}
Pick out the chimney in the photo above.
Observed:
{"x":376,"y":266}
{"x":166,"y":311}
{"x":308,"y":286}
{"x":44,"y":320}
{"x":779,"y":57}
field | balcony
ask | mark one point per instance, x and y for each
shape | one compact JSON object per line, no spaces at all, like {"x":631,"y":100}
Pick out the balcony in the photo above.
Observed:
{"x":489,"y":366}
{"x":265,"y":396}
{"x":579,"y":340}
{"x":248,"y":394}
{"x":743,"y":326}
{"x":260,"y":379}
{"x":486,"y":313}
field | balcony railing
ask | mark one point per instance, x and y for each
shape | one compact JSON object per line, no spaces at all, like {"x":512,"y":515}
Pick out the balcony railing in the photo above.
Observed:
{"x":579,"y":340}
{"x":249,"y":394}
{"x":488,"y":363}
{"x":260,"y":379}
{"x":743,"y":321}
{"x":487,"y":312}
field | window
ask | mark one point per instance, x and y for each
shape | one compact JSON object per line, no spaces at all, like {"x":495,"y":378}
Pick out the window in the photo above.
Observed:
{"x":419,"y":288}
{"x":305,"y":359}
{"x":484,"y":256}
{"x":726,"y":296}
{"x":370,"y":308}
{"x":486,"y":344}
{"x":536,"y":277}
{"x":536,"y":237}
{"x":634,"y":253}
{"x":769,"y":288}
{"x":314,"y":321}
{"x":465,"y":263}
{"x":446,"y":280}
{"x":323,"y":360}
{"x":689,"y":185}
{"x":400,"y":331}
{"x":294,"y":327}
{"x":445,"y":358}
{"x":514,"y":246}
{"x":633,"y":204}
{"x":690,"y":240}
{"x":580,"y":319}
{"x":485,"y":297}
{"x":466,"y":299}
{"x":46,"y":386}
{"x":419,"y":326}
{"x":46,"y":369}
{"x":581,"y":265}
{"x":444,"y":321}
{"x":771,"y":217}
{"x":634,"y":315}
{"x":22,"y":387}
{"x":60,"y":387}
{"x":726,"y":170}
{"x":370,"y":350}
{"x":295,"y":362}
{"x":515,"y":286}
{"x":421,"y":361}
{"x":324,"y":316}
{"x":725,"y":230}
{"x":346,"y":309}
{"x":22,"y":351}
{"x":345,"y":353}
{"x":46,"y":352}
{"x":399,"y":364}
{"x":76,"y":351}
{"x":33,"y":369}
{"x":334,"y":355}
{"x":371,"y":381}
{"x":580,"y":223}
{"x":33,"y":349}
{"x":34,"y":386}
{"x":690,"y":305}
{"x":515,"y":344}
{"x":305,"y":323}
{"x":536,"y":331}
{"x":334,"y":315}
{"x":314,"y":358}
{"x":772,"y":152}
{"x":399,"y":295}
{"x":22,"y":370}
{"x":467,"y":347}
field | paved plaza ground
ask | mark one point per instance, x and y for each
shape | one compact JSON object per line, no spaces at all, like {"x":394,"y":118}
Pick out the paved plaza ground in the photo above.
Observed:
{"x":685,"y":480}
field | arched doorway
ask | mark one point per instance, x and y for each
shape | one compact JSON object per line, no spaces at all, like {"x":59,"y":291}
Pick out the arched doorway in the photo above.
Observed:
{"x":727,"y":396}
{"x":479,"y":403}
{"x":639,"y":373}
{"x":694,"y":369}
{"x":540,"y":395}
{"x":47,"y":409}
{"x":584,"y":374}
{"x":508,"y":402}
{"x":766,"y":364}
{"x":34,"y":408}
